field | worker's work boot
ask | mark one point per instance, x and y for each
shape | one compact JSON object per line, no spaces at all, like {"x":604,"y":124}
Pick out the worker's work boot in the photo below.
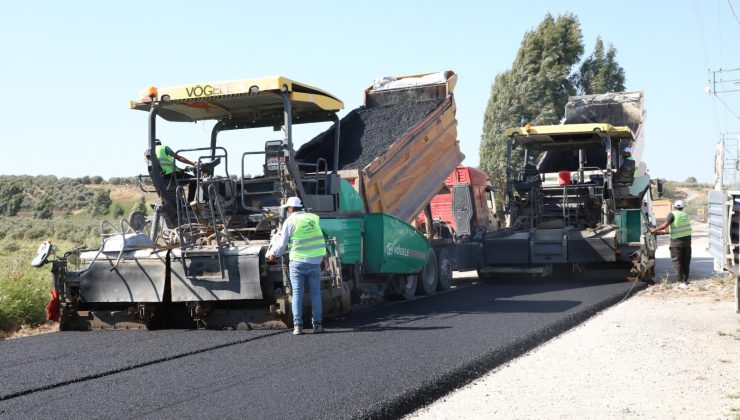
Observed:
{"x":318,"y":328}
{"x":297,"y":330}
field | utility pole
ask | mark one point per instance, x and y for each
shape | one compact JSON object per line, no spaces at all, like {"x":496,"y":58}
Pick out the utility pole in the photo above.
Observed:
{"x":720,"y":84}
{"x":719,"y":159}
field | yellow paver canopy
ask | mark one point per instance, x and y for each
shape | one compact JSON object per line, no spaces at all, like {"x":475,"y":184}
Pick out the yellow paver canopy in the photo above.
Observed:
{"x":568,"y":133}
{"x":257,"y":102}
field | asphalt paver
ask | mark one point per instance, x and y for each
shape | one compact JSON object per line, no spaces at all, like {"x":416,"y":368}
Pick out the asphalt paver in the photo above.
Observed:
{"x":380,"y":362}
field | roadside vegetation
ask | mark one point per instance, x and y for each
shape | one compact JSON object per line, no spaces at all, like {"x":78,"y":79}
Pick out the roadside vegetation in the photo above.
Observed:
{"x":695,"y":192}
{"x":65,"y":211}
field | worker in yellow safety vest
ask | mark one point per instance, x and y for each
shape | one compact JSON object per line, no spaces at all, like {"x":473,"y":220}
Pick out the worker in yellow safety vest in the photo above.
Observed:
{"x":680,"y":246}
{"x":301,"y":233}
{"x":166,"y":158}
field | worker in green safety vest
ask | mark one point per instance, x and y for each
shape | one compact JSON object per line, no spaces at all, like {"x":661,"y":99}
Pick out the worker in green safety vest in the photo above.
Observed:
{"x":301,"y":234}
{"x":166,"y":158}
{"x":680,"y":246}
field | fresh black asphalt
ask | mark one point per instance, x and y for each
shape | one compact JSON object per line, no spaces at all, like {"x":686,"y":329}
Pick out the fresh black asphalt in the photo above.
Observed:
{"x":380,"y":362}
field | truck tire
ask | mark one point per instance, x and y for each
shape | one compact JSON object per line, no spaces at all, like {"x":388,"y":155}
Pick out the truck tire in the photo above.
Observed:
{"x":428,"y":279}
{"x":444,"y":271}
{"x":409,"y":286}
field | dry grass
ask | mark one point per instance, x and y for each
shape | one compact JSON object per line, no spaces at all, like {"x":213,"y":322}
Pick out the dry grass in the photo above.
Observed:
{"x":123,"y":192}
{"x":719,"y":287}
{"x":45,"y":328}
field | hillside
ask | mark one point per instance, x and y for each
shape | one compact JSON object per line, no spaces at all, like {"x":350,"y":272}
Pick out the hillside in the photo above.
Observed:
{"x":46,"y":197}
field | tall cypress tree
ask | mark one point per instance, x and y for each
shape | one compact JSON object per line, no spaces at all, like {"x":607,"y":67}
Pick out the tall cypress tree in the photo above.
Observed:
{"x":600,"y":72}
{"x":534,"y":90}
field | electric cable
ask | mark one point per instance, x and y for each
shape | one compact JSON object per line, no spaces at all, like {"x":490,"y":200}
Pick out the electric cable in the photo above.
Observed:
{"x":727,"y":106}
{"x":733,"y":12}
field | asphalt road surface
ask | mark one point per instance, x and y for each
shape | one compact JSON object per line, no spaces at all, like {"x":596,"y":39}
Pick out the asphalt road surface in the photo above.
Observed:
{"x":383,"y":361}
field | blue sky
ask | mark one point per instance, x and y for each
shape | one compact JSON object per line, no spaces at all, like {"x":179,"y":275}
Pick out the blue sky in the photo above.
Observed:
{"x":69,"y":68}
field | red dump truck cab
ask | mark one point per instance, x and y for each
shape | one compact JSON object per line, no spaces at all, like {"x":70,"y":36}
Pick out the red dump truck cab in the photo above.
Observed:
{"x":465,"y":204}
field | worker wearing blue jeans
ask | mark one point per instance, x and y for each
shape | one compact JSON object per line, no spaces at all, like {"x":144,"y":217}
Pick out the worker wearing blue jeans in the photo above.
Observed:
{"x":304,"y":273}
{"x":301,"y":232}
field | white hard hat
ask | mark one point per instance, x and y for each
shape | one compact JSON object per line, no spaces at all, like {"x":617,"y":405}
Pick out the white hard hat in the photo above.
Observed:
{"x":293,"y":202}
{"x":678,"y":204}
{"x":627,"y":149}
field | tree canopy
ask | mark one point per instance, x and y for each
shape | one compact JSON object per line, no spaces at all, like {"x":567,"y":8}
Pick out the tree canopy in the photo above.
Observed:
{"x":101,"y":203}
{"x":600,"y":72}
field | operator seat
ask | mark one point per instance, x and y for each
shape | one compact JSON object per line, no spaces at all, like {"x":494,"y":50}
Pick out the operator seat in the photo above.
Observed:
{"x":528,"y":178}
{"x":625,"y":175}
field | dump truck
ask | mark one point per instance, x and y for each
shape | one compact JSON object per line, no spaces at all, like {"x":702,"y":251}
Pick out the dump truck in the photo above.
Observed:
{"x":201,"y":263}
{"x":573,"y":200}
{"x":396,"y":151}
{"x":461,"y":215}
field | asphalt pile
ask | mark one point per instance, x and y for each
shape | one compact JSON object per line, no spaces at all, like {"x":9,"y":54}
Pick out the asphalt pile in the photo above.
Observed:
{"x":365,"y":133}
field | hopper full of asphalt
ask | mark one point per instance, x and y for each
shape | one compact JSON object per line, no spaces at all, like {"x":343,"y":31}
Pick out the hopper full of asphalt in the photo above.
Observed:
{"x":380,"y":362}
{"x":365,"y":133}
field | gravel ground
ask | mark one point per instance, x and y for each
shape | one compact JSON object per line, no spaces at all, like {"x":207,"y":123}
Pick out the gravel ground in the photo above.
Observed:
{"x":669,"y":352}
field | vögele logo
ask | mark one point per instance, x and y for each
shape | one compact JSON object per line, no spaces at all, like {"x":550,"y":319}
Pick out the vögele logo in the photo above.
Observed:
{"x":198,"y":91}
{"x":394,"y":249}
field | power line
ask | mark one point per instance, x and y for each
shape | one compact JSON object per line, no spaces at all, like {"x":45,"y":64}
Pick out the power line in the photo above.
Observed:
{"x":727,"y":106}
{"x":719,"y":29}
{"x":733,"y":12}
{"x":700,"y":25}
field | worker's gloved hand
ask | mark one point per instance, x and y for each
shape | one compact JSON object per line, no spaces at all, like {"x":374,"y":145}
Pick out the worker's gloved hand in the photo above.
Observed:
{"x":271,"y":258}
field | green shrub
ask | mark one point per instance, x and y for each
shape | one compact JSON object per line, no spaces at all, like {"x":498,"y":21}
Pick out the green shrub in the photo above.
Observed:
{"x":23,"y":293}
{"x":11,"y":246}
{"x":36,"y":233}
{"x":101,"y":203}
{"x":16,"y":233}
{"x":44,"y":209}
{"x":117,"y":211}
{"x":140,"y":206}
